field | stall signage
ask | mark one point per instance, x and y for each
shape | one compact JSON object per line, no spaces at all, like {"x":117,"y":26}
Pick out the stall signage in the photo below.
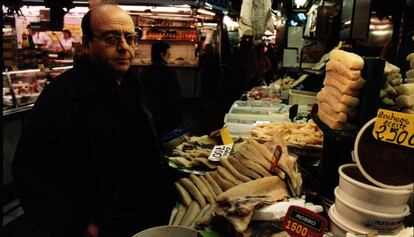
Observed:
{"x":394,"y":127}
{"x":219,"y":152}
{"x":301,"y":222}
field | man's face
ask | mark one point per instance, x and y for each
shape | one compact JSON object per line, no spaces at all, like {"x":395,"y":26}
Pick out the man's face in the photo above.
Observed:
{"x":115,"y":58}
{"x":166,"y":56}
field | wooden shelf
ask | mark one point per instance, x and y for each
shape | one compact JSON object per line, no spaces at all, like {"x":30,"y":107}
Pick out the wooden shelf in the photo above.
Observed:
{"x":176,"y":40}
{"x":170,"y":27}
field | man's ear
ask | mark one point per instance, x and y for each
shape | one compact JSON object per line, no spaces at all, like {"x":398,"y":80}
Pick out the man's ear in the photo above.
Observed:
{"x":85,"y":41}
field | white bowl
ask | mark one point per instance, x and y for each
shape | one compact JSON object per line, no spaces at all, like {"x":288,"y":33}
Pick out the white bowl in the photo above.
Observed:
{"x":167,"y":231}
{"x":340,"y":226}
{"x":383,"y":164}
{"x":357,"y":190}
{"x":369,"y":221}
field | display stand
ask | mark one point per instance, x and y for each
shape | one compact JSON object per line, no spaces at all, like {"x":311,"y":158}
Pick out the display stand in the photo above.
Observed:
{"x":339,"y":144}
{"x":369,"y":95}
{"x":337,"y":149}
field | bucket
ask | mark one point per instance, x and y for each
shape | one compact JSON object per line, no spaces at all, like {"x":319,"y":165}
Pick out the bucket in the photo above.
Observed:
{"x":167,"y":231}
{"x":370,"y":221}
{"x":384,"y":164}
{"x":340,"y":226}
{"x":356,"y":189}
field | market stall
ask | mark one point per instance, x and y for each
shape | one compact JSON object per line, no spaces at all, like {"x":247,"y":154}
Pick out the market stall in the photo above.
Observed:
{"x":265,"y":159}
{"x":322,"y":149}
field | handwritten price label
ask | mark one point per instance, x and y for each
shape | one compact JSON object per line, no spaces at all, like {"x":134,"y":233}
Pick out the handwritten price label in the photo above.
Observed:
{"x":220,"y":151}
{"x":301,"y":222}
{"x":394,"y":127}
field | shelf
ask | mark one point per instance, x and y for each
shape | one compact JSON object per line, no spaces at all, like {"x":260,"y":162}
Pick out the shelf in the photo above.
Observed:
{"x":23,"y":108}
{"x":174,"y":40}
{"x":170,"y":27}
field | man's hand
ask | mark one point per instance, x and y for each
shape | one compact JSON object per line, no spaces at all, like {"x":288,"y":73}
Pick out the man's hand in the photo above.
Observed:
{"x":92,"y":230}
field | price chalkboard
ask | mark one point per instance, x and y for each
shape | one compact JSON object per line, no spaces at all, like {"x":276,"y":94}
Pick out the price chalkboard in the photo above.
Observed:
{"x":394,"y":127}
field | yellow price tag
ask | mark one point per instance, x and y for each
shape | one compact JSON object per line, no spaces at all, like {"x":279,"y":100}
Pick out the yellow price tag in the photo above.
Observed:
{"x":225,"y":136}
{"x":339,"y":46}
{"x":394,"y":127}
{"x":41,"y":67}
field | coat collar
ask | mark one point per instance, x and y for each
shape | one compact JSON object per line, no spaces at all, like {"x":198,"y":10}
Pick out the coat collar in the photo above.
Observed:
{"x":86,"y":80}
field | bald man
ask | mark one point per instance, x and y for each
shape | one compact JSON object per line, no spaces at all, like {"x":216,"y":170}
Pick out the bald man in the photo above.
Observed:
{"x":89,"y":162}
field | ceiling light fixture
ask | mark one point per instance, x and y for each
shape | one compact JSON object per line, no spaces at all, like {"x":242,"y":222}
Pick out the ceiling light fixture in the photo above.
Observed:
{"x":203,"y":11}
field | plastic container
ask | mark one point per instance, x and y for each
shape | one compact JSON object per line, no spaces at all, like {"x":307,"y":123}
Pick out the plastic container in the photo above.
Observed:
{"x":252,"y":118}
{"x":167,"y":231}
{"x":257,"y":107}
{"x":357,"y":190}
{"x":369,"y":221}
{"x":338,"y":225}
{"x":302,"y":97}
{"x":386,"y":165}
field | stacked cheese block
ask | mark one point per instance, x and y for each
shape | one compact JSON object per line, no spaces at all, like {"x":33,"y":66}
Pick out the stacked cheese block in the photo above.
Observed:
{"x":410,"y":73}
{"x":392,"y":79}
{"x":405,"y":100}
{"x":338,"y":100}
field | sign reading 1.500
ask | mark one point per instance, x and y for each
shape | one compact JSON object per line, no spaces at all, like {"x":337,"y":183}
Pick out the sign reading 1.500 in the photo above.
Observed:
{"x":394,"y":127}
{"x":301,"y":222}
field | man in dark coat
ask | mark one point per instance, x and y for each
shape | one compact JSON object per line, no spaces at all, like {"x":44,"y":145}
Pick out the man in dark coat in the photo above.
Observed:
{"x":164,"y":91}
{"x":210,"y":74}
{"x":88,"y":162}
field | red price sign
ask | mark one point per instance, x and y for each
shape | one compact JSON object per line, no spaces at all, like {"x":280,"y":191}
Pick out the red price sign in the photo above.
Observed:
{"x":301,"y":222}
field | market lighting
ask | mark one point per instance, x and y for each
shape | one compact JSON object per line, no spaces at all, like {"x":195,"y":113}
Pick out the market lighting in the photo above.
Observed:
{"x":300,"y":3}
{"x":229,"y":22}
{"x":207,"y":24}
{"x":203,"y":11}
{"x":79,"y":10}
{"x":302,"y":16}
{"x":380,"y":32}
{"x":176,"y":9}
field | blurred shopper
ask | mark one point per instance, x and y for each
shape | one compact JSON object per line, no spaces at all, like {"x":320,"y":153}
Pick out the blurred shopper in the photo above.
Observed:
{"x":164,"y":92}
{"x":263,"y":66}
{"x":39,"y":39}
{"x":244,"y":63}
{"x":67,"y":40}
{"x":88,"y":163}
{"x":210,"y":73}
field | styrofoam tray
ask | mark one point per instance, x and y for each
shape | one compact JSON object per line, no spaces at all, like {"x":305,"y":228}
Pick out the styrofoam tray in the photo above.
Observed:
{"x":253,"y":118}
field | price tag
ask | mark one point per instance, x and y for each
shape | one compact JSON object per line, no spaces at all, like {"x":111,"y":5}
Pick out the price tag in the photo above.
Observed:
{"x":302,"y":222}
{"x":41,"y":67}
{"x":220,"y":151}
{"x":225,"y":136}
{"x":394,"y":127}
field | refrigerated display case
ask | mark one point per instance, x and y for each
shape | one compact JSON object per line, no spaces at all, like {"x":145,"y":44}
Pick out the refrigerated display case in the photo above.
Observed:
{"x":21,"y":88}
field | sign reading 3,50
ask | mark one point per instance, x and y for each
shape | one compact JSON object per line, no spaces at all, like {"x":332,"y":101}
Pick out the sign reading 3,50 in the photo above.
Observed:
{"x":394,"y":127}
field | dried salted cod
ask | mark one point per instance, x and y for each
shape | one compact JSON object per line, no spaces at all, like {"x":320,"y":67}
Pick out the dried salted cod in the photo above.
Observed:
{"x":237,"y":204}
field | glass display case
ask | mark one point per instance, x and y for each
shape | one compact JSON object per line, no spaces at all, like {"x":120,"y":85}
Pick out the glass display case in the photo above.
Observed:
{"x":21,"y":88}
{"x":168,"y":29}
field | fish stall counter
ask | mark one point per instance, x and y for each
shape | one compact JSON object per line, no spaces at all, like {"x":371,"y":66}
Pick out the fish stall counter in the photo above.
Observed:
{"x":188,"y":76}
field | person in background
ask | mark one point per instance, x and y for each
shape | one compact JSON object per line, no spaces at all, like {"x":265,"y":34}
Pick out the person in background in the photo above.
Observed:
{"x":244,"y":63}
{"x":67,"y":40}
{"x":210,"y":73}
{"x":263,"y":65}
{"x":88,"y":163}
{"x":39,"y":38}
{"x":164,"y":92}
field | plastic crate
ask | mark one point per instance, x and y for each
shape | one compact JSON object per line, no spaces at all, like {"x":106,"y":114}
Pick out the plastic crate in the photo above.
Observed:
{"x":302,"y":97}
